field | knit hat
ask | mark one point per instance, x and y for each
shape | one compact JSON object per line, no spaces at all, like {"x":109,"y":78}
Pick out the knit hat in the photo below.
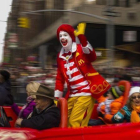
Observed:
{"x":67,"y":28}
{"x":135,"y":89}
{"x":5,"y":74}
{"x":117,"y":91}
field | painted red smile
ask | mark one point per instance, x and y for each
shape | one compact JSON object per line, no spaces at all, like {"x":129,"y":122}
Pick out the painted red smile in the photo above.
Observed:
{"x":64,"y":42}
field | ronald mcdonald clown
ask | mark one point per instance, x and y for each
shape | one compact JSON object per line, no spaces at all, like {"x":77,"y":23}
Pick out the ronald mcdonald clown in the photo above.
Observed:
{"x":84,"y":83}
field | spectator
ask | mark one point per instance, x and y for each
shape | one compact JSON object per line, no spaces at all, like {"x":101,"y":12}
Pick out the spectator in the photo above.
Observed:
{"x":5,"y":88}
{"x":46,"y":114}
{"x":29,"y":106}
{"x":130,"y":112}
{"x":108,"y":106}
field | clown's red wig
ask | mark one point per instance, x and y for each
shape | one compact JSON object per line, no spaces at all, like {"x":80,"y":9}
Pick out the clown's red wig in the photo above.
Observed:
{"x":66,"y":28}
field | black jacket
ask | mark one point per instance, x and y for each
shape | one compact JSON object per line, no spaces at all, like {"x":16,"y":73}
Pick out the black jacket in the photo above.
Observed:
{"x":5,"y":94}
{"x":48,"y":118}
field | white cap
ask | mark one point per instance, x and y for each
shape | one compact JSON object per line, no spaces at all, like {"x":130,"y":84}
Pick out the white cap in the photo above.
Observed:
{"x":135,"y":89}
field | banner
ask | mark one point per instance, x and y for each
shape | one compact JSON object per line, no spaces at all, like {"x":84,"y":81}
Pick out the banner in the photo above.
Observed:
{"x":12,"y":40}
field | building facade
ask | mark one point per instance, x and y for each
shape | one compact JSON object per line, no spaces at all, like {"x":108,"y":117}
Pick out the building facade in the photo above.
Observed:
{"x":118,"y":16}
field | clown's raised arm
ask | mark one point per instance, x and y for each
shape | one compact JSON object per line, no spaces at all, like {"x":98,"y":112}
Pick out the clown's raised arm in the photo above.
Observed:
{"x":86,"y":47}
{"x":80,"y":34}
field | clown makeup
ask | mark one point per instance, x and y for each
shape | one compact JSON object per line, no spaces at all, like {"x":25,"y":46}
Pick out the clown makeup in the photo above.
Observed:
{"x":65,"y":40}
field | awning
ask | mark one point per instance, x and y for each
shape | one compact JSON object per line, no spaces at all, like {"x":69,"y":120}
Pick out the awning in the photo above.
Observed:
{"x":101,"y":62}
{"x":133,"y":48}
{"x":118,"y":63}
{"x":121,"y":63}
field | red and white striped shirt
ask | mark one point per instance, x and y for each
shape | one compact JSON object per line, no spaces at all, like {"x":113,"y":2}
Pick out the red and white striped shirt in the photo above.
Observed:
{"x":78,"y":84}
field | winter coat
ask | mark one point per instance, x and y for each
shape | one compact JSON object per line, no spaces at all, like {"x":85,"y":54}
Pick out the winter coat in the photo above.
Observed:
{"x":48,"y":118}
{"x":25,"y":111}
{"x":113,"y":108}
{"x":5,"y":94}
{"x":122,"y":115}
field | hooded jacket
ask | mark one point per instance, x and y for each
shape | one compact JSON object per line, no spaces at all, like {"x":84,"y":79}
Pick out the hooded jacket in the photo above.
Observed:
{"x":5,"y":93}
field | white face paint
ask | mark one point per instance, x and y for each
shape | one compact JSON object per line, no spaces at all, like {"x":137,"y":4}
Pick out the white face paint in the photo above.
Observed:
{"x":65,"y":40}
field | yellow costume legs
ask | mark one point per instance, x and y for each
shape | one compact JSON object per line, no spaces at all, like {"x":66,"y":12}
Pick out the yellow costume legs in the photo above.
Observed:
{"x":77,"y":108}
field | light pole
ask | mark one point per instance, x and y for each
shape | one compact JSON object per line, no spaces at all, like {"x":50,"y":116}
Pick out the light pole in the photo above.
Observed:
{"x":110,"y":36}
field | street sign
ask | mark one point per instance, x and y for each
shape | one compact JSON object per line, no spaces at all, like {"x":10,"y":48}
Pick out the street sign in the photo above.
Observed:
{"x":12,"y":40}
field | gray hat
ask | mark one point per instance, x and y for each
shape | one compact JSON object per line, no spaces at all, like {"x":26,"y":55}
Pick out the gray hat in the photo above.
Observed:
{"x":44,"y":91}
{"x":117,"y":91}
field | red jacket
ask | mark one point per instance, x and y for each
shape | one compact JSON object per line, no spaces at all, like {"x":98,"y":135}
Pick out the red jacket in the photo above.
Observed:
{"x":98,"y":85}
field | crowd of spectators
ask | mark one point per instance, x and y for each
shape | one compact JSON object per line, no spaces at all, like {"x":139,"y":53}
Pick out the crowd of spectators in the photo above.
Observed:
{"x":20,"y":77}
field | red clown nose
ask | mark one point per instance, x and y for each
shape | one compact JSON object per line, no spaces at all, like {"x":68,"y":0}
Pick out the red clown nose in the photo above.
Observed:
{"x":66,"y":28}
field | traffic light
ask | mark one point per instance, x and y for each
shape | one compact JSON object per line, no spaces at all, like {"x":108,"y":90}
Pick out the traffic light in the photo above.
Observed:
{"x":23,"y":22}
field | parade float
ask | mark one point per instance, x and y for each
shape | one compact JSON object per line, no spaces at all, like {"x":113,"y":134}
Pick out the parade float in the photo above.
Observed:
{"x":121,"y":131}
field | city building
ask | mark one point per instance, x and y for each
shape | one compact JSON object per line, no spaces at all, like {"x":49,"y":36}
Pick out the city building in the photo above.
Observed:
{"x":111,"y":25}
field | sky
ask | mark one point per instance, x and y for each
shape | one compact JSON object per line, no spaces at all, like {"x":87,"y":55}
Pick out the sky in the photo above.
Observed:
{"x":5,"y":7}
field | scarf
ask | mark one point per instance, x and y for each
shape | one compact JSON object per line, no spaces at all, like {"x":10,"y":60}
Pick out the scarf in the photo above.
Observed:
{"x":29,"y":99}
{"x":135,"y":114}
